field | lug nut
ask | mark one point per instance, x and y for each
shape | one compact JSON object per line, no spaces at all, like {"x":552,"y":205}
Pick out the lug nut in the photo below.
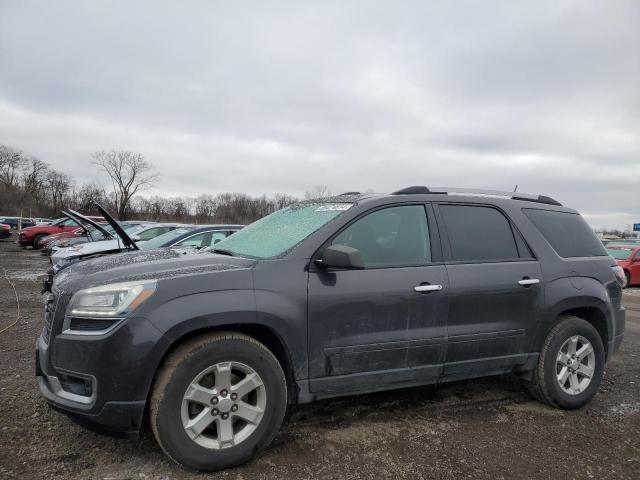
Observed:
{"x":225,"y":416}
{"x":223,"y":393}
{"x":214,"y":412}
{"x":214,"y":401}
{"x":234,"y":396}
{"x":234,"y":408}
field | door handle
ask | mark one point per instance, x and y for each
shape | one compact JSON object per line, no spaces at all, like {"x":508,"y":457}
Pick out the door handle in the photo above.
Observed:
{"x":427,"y":288}
{"x":525,"y":282}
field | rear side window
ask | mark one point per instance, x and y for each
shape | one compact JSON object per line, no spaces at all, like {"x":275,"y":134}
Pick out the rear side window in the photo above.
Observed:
{"x":478,"y":234}
{"x":568,"y":233}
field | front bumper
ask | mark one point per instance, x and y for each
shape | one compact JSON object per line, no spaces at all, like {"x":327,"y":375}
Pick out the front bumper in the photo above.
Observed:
{"x":101,"y":381}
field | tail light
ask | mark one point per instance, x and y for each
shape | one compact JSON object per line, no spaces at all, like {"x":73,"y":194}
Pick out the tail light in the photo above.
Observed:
{"x":620,"y":276}
{"x":5,"y":226}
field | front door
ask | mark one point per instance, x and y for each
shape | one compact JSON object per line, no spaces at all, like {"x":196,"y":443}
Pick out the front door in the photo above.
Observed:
{"x":367,"y":326}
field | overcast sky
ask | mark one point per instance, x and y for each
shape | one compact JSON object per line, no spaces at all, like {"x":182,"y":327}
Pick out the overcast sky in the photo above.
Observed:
{"x":265,"y":97}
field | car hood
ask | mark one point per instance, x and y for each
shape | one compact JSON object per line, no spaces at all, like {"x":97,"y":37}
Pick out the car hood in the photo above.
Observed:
{"x":88,"y":248}
{"x":156,"y":264}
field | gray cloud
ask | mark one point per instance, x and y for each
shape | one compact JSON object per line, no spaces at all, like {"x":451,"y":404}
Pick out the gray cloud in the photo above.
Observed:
{"x":268,"y":97}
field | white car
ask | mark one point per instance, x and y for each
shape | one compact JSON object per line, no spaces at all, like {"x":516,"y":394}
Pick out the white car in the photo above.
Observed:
{"x":71,"y":254}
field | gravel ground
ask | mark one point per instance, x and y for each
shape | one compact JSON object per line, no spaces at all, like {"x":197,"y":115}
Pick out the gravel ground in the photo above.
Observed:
{"x":486,"y":428}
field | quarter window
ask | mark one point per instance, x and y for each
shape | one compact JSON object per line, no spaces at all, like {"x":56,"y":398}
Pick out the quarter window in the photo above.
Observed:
{"x":392,"y":237}
{"x":478,"y":234}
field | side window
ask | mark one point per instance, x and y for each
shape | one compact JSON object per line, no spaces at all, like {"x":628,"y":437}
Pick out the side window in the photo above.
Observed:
{"x":205,"y":239}
{"x":69,"y":223}
{"x":478,"y":234}
{"x":195,"y":241}
{"x":215,"y":238}
{"x":153,"y":232}
{"x":392,"y":237}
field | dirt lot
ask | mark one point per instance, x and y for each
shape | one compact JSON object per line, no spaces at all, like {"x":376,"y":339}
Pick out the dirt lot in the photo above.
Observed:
{"x":487,"y":428}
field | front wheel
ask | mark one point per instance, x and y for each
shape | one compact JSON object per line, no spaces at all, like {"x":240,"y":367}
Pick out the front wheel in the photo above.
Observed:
{"x":570,"y":366}
{"x":36,"y":241}
{"x":218,"y":401}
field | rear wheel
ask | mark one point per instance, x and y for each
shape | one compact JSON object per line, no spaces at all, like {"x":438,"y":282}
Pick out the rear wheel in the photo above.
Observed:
{"x":628,"y":275}
{"x":570,"y":366}
{"x":218,"y":401}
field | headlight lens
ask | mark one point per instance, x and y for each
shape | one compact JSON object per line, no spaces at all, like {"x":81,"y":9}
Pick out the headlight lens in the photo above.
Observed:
{"x":108,"y":301}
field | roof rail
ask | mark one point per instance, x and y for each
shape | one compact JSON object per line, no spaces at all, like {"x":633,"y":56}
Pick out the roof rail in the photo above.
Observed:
{"x":348,"y":193}
{"x":479,"y":192}
{"x":415,"y":190}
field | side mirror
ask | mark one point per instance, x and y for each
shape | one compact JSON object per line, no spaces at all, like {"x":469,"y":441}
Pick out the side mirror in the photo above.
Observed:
{"x":60,"y":226}
{"x":341,"y":256}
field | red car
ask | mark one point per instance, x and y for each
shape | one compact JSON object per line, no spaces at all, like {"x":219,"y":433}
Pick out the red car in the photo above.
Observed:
{"x":5,"y":231}
{"x":628,"y":257}
{"x":31,"y":236}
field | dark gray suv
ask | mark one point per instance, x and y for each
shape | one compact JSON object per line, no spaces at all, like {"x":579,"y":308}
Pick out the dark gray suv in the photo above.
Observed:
{"x":338,"y":296}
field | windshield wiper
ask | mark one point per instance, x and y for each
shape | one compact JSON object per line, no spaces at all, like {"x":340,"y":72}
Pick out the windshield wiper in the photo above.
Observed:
{"x":223,"y":252}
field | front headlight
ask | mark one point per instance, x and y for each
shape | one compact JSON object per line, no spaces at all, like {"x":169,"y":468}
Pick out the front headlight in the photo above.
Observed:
{"x":110,"y":301}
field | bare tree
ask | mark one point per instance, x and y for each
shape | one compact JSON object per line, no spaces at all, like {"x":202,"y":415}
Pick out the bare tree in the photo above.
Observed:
{"x":319,"y":191}
{"x":58,"y":185}
{"x":129,"y":172}
{"x":34,"y":178}
{"x":11,"y":164}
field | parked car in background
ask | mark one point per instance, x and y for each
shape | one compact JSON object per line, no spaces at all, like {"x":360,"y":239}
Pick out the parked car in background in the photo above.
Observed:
{"x":196,"y":236}
{"x":91,"y":236}
{"x":330,"y":297}
{"x":5,"y":231}
{"x":628,"y":258}
{"x":122,"y":241}
{"x":630,"y":241}
{"x":30,"y":236}
{"x":17,"y":222}
{"x":42,"y":221}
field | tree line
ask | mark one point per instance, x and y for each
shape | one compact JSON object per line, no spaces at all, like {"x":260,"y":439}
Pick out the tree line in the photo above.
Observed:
{"x":29,"y":187}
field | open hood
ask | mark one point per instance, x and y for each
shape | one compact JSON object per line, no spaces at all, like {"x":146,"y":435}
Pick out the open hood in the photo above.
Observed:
{"x":79,"y":217}
{"x":126,"y":239}
{"x":75,"y":219}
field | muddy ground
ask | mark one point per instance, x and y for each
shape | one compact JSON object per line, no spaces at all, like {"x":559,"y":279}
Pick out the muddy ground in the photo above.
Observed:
{"x":486,"y":428}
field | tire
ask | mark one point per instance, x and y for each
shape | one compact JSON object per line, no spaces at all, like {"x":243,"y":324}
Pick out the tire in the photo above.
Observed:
{"x":545,"y":384}
{"x":628,"y":275}
{"x":36,"y":241}
{"x":177,"y":375}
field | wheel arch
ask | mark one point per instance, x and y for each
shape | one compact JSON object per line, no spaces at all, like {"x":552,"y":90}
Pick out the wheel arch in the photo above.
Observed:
{"x":264,"y":334}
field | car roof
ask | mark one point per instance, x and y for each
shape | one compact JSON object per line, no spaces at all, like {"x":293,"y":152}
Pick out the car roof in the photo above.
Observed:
{"x":448,"y":194}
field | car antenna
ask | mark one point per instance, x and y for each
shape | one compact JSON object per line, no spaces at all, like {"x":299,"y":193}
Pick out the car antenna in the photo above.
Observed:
{"x":515,"y":189}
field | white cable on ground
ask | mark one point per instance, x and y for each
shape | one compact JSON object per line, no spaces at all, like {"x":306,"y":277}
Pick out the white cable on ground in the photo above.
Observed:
{"x":17,"y":303}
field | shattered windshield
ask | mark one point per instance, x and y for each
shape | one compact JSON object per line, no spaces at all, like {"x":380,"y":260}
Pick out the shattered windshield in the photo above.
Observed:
{"x":279,"y":232}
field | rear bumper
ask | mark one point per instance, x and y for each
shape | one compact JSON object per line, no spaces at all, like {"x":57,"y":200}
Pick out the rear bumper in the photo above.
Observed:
{"x":618,"y":334}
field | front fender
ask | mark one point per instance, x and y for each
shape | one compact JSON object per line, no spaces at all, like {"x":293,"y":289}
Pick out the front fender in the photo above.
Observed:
{"x":188,"y":313}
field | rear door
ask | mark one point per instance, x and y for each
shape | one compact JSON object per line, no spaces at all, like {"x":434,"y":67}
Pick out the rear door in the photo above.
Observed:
{"x":366,"y":327}
{"x":494,"y":293}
